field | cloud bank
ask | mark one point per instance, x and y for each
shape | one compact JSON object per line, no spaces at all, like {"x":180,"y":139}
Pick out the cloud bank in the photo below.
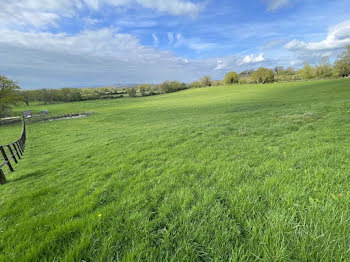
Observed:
{"x":338,"y":37}
{"x":273,"y":5}
{"x":43,"y":13}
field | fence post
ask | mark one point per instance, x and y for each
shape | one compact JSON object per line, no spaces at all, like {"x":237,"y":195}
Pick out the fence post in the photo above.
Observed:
{"x":24,"y":129}
{"x":15,"y":147}
{"x":2,"y":177}
{"x":12,"y":154}
{"x":19,"y":147}
{"x":6,"y":159}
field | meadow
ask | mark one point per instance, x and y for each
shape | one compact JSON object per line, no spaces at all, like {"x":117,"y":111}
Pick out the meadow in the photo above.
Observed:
{"x":228,"y":173}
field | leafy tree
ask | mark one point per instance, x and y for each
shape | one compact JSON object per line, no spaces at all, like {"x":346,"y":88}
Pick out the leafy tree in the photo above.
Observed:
{"x":278,"y":69}
{"x":217,"y":83}
{"x":8,"y":94}
{"x":75,"y":95}
{"x":307,"y":72}
{"x":246,"y":73}
{"x":206,"y":81}
{"x":64,"y":94}
{"x":131,"y":92}
{"x":142,"y":90}
{"x":342,"y":66}
{"x":48,"y":95}
{"x":90,"y":94}
{"x":196,"y":84}
{"x":27,"y":96}
{"x":288,"y":71}
{"x":263,"y":75}
{"x":243,"y":80}
{"x":324,"y":71}
{"x":171,"y":86}
{"x":231,"y":78}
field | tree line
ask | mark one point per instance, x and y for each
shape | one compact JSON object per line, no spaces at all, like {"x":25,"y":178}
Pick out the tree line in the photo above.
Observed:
{"x":10,"y":92}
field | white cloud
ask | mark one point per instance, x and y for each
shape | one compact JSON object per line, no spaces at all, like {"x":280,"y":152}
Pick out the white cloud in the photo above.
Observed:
{"x":273,"y":5}
{"x":220,"y":65}
{"x":91,"y":21}
{"x":104,"y":42}
{"x":43,"y":13}
{"x":296,"y":62}
{"x":103,"y":56}
{"x":33,"y":13}
{"x":155,"y":39}
{"x":251,"y":59}
{"x":273,"y":43}
{"x":238,"y":63}
{"x":174,"y":7}
{"x":192,"y":43}
{"x":178,"y":36}
{"x":338,"y":37}
{"x":170,"y":37}
{"x":38,"y":59}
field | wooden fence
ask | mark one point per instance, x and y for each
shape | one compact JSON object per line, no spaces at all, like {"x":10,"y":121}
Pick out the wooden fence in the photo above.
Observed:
{"x":12,"y":151}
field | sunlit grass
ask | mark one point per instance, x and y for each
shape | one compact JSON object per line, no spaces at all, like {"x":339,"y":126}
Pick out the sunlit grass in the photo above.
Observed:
{"x":254,"y":172}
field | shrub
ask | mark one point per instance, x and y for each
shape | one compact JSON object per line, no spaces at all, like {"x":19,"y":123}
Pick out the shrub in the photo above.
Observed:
{"x":217,"y":83}
{"x":324,"y":71}
{"x":206,"y":81}
{"x":75,"y":96}
{"x":342,"y":66}
{"x":242,"y":80}
{"x":196,"y":85}
{"x":263,"y":75}
{"x":173,"y":86}
{"x":131,"y":92}
{"x":8,"y":94}
{"x":307,"y":72}
{"x":231,"y":78}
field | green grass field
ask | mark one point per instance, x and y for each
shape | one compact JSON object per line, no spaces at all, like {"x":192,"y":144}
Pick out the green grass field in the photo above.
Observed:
{"x":247,"y":173}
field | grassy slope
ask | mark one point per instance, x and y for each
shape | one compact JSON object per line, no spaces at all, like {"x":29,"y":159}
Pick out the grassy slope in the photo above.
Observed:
{"x":245,"y":173}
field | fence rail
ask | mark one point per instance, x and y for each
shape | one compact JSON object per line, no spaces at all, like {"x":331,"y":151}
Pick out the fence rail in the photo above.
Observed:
{"x":12,"y":151}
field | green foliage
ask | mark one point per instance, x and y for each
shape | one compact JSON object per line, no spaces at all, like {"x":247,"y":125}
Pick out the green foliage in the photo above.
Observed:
{"x":278,"y":69}
{"x":246,"y":73}
{"x":324,"y":71}
{"x":253,"y":173}
{"x":307,"y":72}
{"x":217,"y":82}
{"x":91,"y":94}
{"x":172,"y":86}
{"x":242,"y":80}
{"x":9,"y":95}
{"x":206,"y":81}
{"x":231,"y":78}
{"x":75,"y":96}
{"x":342,"y":66}
{"x":142,"y":90}
{"x":263,"y":75}
{"x":146,"y":89}
{"x":288,"y":74}
{"x":196,"y":84}
{"x":131,"y":92}
{"x":285,"y":72}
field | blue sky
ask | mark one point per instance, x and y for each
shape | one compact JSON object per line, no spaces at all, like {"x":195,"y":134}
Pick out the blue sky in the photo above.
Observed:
{"x":59,"y":43}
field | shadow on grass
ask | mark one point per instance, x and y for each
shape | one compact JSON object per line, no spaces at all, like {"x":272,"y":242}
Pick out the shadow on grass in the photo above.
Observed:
{"x":36,"y":174}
